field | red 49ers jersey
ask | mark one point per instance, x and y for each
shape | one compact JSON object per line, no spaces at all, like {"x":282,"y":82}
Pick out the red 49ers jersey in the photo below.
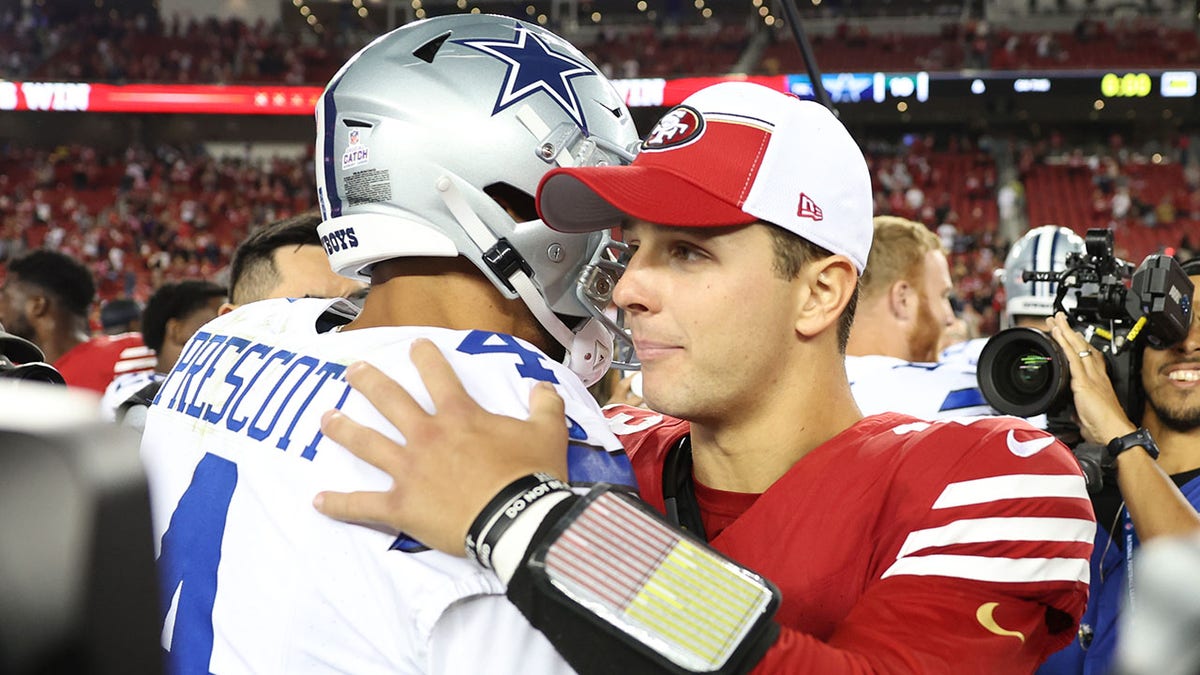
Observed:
{"x":909,"y":546}
{"x":95,"y":363}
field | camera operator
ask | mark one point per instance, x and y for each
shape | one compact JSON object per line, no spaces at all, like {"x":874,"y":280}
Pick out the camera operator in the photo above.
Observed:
{"x":1156,"y":491}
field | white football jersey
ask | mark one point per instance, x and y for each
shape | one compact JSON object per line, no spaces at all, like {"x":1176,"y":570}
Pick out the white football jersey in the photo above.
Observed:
{"x":256,"y":581}
{"x":942,"y":390}
{"x":121,"y":388}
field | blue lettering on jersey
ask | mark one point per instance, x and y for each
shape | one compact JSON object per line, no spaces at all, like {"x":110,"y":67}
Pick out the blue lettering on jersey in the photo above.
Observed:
{"x":259,"y":434}
{"x":963,"y":398}
{"x":483,"y":342}
{"x":211,"y":416}
{"x":194,"y":410}
{"x":193,"y":366}
{"x":310,"y":450}
{"x":291,"y":382}
{"x":326,"y":370}
{"x":234,"y":424}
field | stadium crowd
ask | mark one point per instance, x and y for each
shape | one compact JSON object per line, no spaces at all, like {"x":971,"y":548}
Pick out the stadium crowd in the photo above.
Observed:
{"x":103,"y":45}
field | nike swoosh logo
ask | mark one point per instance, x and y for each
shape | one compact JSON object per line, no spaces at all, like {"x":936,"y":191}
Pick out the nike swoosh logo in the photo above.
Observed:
{"x":986,"y":619}
{"x":1027,"y":448}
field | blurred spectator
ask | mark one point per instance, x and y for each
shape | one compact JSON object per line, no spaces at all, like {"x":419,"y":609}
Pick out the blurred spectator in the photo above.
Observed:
{"x":122,"y":315}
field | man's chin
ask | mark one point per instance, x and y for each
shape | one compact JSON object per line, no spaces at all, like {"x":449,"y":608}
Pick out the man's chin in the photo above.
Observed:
{"x":1180,"y":419}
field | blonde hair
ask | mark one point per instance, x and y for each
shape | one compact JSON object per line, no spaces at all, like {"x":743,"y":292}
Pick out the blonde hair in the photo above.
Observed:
{"x":897,"y":253}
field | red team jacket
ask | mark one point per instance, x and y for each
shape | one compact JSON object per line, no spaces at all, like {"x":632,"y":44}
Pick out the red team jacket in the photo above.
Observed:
{"x":93,"y":364}
{"x":903,"y":546}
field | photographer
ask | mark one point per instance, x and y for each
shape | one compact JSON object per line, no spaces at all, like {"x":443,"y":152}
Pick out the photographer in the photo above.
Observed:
{"x":1156,"y":491}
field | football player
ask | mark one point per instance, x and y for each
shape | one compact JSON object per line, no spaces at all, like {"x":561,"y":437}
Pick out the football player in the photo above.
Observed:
{"x":430,"y":144}
{"x":899,"y":545}
{"x":45,"y":299}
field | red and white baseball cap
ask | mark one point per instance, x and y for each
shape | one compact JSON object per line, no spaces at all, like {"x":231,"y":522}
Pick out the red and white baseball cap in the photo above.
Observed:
{"x":731,"y":154}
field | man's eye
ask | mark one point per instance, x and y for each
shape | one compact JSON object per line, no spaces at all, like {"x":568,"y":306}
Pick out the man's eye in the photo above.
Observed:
{"x":686,"y":252}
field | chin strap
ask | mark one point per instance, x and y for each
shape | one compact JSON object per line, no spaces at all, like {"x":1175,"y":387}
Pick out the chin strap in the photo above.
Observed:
{"x":589,"y":350}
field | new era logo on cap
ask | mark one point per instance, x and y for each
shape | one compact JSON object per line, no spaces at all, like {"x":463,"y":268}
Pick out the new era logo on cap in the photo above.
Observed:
{"x":808,"y":208}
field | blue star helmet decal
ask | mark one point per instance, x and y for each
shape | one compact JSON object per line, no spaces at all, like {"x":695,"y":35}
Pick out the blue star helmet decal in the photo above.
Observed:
{"x":534,"y":67}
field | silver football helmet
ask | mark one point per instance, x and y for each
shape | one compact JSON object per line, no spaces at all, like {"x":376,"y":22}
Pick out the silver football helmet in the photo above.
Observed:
{"x":1044,"y":249}
{"x":432,"y":140}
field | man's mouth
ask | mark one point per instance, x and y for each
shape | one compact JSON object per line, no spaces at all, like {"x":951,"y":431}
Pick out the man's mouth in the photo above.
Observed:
{"x":1184,"y":375}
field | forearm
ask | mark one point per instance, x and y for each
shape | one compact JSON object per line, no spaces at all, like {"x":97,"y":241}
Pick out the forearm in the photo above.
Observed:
{"x":1155,"y":504}
{"x":615,"y":590}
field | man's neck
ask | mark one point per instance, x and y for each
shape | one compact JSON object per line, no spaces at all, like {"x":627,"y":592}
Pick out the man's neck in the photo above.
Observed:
{"x":445,"y":293}
{"x":57,"y":343}
{"x":875,"y":333}
{"x":1179,"y":451}
{"x":751,"y":448}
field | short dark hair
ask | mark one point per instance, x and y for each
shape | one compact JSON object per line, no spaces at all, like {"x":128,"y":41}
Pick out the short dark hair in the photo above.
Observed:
{"x":60,"y":275}
{"x":252,"y":272}
{"x":792,"y":253}
{"x":119,"y":313}
{"x":175,"y":301}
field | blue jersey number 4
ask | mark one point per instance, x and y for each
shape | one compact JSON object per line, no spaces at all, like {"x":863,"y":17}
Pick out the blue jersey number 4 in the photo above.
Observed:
{"x":483,"y":342}
{"x":191,"y":552}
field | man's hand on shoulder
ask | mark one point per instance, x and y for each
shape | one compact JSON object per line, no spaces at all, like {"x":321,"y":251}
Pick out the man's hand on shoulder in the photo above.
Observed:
{"x":454,"y":460}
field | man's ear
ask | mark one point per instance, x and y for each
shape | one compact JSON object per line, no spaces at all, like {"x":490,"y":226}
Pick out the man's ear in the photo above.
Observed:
{"x":827,"y":286}
{"x":901,"y":300}
{"x":225,"y":308}
{"x":173,"y":333}
{"x":37,"y":305}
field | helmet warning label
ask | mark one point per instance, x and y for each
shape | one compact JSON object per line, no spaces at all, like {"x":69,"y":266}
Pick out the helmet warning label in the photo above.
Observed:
{"x":367,"y":187}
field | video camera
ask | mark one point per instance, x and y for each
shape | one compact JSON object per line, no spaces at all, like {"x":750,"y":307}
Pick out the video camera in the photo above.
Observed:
{"x":1023,"y":371}
{"x":20,"y":359}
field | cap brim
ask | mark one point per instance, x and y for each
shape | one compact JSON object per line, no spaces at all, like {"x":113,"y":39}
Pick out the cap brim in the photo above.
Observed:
{"x":19,"y":350}
{"x":601,"y":197}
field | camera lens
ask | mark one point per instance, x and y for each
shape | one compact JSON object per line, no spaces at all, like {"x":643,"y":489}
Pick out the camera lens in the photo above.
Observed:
{"x":1023,"y":372}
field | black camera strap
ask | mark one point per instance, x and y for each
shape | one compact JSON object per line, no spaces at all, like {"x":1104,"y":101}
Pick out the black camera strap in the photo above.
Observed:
{"x":679,"y":490}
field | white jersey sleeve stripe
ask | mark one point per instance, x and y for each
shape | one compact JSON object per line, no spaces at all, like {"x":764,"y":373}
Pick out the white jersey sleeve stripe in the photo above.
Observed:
{"x":1001,"y":570}
{"x":1013,"y":486}
{"x":135,"y":364}
{"x":135,"y":352}
{"x":981,"y":530}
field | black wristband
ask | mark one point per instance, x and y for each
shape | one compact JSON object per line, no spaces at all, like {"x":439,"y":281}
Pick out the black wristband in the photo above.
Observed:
{"x":1139,"y":437}
{"x":495,"y":518}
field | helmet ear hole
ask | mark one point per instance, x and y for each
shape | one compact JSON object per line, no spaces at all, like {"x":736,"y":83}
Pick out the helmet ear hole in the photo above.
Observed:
{"x":519,"y":204}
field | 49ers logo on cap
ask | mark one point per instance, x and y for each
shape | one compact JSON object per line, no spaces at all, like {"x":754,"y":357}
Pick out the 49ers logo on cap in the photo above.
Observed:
{"x":680,"y":126}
